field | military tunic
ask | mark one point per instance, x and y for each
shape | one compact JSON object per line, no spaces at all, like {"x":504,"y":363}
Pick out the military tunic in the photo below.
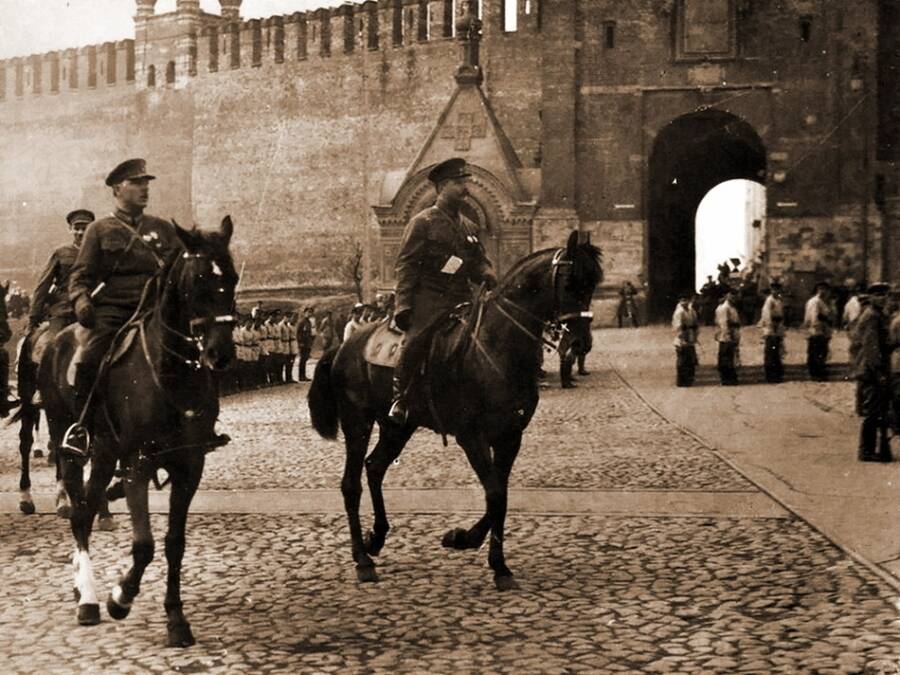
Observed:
{"x":440,"y":254}
{"x":871,"y":369}
{"x":773,"y":329}
{"x":51,"y":295}
{"x":123,"y":252}
{"x":687,"y":328}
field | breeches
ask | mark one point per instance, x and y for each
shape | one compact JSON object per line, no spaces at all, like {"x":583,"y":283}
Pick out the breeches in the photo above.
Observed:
{"x":109,"y":321}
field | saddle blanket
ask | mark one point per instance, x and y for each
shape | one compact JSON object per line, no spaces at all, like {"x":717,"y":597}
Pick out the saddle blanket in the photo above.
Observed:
{"x":384,"y":346}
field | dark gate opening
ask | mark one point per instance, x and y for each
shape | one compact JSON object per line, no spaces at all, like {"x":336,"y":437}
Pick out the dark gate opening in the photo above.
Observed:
{"x":691,"y":155}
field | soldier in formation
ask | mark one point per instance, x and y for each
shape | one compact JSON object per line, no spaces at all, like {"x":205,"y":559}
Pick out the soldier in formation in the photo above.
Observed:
{"x":819,"y":320}
{"x":728,"y":335}
{"x":686,"y":324}
{"x":772,"y":324}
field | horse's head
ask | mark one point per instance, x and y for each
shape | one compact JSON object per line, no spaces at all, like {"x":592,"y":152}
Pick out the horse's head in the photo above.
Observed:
{"x":203,"y":280}
{"x":576,"y":274}
{"x":553,"y":282}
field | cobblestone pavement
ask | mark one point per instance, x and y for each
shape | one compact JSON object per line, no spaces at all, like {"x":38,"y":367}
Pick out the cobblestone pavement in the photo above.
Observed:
{"x":276,"y":592}
{"x":600,"y":437}
{"x":690,"y":595}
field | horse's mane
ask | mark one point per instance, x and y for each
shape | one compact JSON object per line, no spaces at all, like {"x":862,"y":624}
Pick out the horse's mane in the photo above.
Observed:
{"x":587,"y":263}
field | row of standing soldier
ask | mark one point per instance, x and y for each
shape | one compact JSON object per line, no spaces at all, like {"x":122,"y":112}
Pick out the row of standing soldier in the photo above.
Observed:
{"x":874,"y":352}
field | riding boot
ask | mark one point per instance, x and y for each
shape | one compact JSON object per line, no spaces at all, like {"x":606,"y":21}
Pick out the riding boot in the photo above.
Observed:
{"x":868,"y":436}
{"x":77,"y":439}
{"x":581,"y":369}
{"x":565,"y":373}
{"x":398,"y":412}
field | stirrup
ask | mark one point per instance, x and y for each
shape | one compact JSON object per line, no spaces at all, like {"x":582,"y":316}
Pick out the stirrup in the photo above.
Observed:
{"x":398,"y":412}
{"x":76,"y":441}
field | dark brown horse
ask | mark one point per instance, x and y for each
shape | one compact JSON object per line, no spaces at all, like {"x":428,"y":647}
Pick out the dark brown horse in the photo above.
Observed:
{"x":28,"y":417}
{"x":155,"y":408}
{"x":484,"y":395}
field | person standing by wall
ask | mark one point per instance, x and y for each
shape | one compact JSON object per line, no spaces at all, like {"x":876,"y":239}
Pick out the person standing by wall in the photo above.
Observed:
{"x":305,"y":339}
{"x":771,"y":323}
{"x":728,"y":335}
{"x":871,"y":368}
{"x":687,"y":329}
{"x":819,"y":321}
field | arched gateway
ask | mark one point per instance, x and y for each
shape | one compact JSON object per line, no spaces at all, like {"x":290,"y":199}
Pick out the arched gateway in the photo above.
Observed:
{"x":690,"y":156}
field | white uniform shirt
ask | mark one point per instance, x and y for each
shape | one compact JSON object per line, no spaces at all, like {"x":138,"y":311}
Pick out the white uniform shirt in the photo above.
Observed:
{"x":728,"y":322}
{"x":816,"y":307}
{"x":773,"y":308}
{"x":684,"y":321}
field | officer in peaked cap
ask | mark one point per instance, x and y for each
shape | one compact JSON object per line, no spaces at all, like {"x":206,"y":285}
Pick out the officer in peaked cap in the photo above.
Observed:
{"x":51,"y":295}
{"x":120,"y":253}
{"x":440,"y":255}
{"x":870,"y":349}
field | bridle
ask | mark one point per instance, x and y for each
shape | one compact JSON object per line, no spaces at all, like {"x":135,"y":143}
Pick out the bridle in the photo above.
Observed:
{"x":560,"y":269}
{"x":198,"y":328}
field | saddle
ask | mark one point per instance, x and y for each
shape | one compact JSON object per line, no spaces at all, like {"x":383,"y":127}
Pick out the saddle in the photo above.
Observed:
{"x":120,"y":347}
{"x":384,"y":346}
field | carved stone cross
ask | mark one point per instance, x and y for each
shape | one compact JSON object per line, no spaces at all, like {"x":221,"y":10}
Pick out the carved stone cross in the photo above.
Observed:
{"x":468,"y":125}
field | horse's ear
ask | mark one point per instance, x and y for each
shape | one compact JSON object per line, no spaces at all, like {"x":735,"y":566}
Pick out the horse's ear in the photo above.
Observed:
{"x":226,"y":229}
{"x":572,"y":243}
{"x":187,"y":237}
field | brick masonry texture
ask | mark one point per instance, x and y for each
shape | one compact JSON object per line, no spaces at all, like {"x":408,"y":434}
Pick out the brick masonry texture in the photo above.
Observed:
{"x":299,"y":147}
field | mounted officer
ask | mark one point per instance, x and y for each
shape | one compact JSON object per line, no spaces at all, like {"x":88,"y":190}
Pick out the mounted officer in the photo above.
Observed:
{"x":439,"y":256}
{"x":119,"y":255}
{"x":51,"y":295}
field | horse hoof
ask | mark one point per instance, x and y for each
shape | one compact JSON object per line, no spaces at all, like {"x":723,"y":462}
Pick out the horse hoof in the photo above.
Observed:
{"x":38,"y":453}
{"x":366,"y":574}
{"x":116,"y":611}
{"x":455,"y":539}
{"x":180,"y":635}
{"x":64,"y":511}
{"x":107,"y":524}
{"x":88,"y":615}
{"x":506,"y":582}
{"x":371,"y":545}
{"x":26,"y":507}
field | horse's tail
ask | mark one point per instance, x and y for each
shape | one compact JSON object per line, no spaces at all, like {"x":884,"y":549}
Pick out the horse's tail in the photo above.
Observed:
{"x":321,"y":399}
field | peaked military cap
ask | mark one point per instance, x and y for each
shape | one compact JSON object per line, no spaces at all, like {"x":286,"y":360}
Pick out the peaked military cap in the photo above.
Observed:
{"x":879,"y":288}
{"x":822,"y":284}
{"x":130,"y":169}
{"x":80,"y":216}
{"x":775,"y":285}
{"x":455,"y":167}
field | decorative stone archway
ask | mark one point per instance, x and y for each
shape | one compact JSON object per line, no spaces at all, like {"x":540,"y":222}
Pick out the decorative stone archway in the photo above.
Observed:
{"x":691,"y":155}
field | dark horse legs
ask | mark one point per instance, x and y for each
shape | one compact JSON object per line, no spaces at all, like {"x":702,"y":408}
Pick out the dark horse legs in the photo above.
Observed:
{"x":494,"y":477}
{"x":185,"y":479}
{"x":391,"y":441}
{"x":356,"y":438}
{"x":85,"y":504}
{"x":184,"y":485}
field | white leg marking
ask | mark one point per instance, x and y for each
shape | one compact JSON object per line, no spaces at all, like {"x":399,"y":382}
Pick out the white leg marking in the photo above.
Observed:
{"x":25,"y":496}
{"x":84,"y":578}
{"x":117,"y":597}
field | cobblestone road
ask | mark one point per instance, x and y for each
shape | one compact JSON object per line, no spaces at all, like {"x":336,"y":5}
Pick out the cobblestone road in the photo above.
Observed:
{"x":275,"y":592}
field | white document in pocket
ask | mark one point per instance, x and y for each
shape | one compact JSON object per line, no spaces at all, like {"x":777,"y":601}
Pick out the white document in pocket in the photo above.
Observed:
{"x":452,"y":265}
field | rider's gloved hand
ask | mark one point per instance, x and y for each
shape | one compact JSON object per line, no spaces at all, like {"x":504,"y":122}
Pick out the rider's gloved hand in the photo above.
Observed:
{"x":403,"y":320}
{"x":84,"y":311}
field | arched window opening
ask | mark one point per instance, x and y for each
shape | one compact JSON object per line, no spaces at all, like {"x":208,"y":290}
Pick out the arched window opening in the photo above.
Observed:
{"x":730,"y":226}
{"x":170,"y":72}
{"x":151,"y":76}
{"x":510,"y":15}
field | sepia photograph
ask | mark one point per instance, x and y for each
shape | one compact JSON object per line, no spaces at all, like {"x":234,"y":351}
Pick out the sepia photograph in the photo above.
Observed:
{"x":450,"y":336}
